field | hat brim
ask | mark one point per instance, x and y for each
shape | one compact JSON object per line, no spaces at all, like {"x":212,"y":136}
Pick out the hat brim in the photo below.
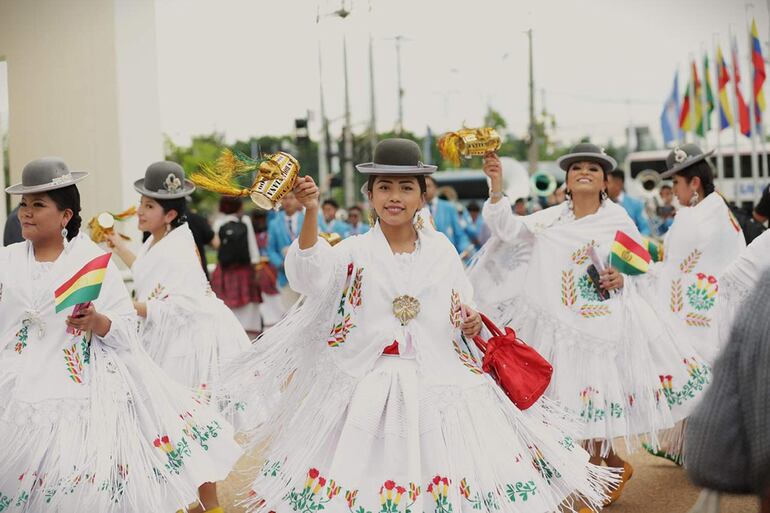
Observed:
{"x":370,"y":168}
{"x":687,"y":163}
{"x":187,"y":189}
{"x":23,"y":189}
{"x":608,"y":163}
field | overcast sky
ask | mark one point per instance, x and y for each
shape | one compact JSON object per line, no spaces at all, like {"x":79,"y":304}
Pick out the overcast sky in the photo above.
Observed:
{"x":249,"y":67}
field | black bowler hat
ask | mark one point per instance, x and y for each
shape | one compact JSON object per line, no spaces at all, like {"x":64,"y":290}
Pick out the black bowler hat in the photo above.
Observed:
{"x":396,"y":157}
{"x":164,"y":180}
{"x":587,"y":152}
{"x":683,"y":157}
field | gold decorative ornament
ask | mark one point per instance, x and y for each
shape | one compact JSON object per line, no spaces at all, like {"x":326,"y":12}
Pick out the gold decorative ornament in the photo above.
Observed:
{"x":331,"y":237}
{"x":104,"y":224}
{"x":405,"y":308}
{"x":468,"y":142}
{"x":275,"y":177}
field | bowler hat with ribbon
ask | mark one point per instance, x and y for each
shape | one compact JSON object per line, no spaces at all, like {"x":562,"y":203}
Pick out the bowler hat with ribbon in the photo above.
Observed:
{"x":682,"y":157}
{"x":45,"y":174}
{"x":396,"y":157}
{"x":587,"y":152}
{"x":164,"y":180}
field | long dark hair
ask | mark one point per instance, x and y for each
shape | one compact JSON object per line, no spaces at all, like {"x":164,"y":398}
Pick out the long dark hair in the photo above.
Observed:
{"x":177,"y":204}
{"x":68,"y":198}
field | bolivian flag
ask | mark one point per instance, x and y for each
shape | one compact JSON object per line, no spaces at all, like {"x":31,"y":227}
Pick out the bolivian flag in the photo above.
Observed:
{"x":628,"y":256}
{"x":84,"y":286}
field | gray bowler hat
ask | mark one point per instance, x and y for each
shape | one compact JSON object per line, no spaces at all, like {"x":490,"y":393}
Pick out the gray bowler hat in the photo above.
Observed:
{"x":683,"y":157}
{"x":396,"y":157}
{"x":164,"y":180}
{"x":45,"y":174}
{"x":587,"y":152}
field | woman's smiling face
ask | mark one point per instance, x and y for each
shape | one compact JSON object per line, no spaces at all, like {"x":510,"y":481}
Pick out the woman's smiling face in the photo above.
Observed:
{"x":586,"y":177}
{"x":396,"y":199}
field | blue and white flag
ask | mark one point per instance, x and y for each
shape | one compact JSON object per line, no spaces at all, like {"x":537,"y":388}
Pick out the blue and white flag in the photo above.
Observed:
{"x":669,"y":118}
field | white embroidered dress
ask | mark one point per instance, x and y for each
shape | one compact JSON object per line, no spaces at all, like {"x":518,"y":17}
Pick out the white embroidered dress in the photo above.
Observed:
{"x":90,"y":423}
{"x":685,"y":287}
{"x":423,"y":430}
{"x":608,"y":355}
{"x":188,"y":331}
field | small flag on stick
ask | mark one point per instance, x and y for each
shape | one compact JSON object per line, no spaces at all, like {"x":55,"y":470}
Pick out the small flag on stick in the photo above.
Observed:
{"x":628,"y":256}
{"x":84,"y":286}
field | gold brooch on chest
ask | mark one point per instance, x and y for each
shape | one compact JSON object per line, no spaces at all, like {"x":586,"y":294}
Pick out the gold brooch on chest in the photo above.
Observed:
{"x":405,"y":308}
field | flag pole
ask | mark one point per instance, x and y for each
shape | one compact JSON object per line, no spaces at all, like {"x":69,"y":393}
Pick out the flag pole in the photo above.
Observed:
{"x":753,"y":123}
{"x":717,"y":100}
{"x":680,"y":136}
{"x":737,"y":111}
{"x":704,"y":111}
{"x":691,"y":94}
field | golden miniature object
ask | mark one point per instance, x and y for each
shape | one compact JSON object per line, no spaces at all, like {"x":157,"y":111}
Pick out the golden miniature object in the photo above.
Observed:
{"x":276,"y":175}
{"x":405,"y":308}
{"x":468,"y":142}
{"x":331,"y":237}
{"x":104,"y":224}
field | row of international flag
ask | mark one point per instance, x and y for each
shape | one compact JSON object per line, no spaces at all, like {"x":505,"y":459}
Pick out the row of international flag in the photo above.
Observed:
{"x":694,"y":112}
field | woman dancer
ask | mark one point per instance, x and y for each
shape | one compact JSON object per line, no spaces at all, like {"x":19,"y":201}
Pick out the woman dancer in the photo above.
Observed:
{"x":89,"y":422}
{"x":182,"y":324}
{"x":547,"y":276}
{"x":383,"y":406}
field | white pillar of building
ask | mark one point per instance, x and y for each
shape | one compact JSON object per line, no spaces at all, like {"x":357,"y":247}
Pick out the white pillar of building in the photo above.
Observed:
{"x":82,"y":85}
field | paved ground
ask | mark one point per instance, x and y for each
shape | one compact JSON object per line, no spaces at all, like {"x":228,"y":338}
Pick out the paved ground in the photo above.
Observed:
{"x":657,"y":487}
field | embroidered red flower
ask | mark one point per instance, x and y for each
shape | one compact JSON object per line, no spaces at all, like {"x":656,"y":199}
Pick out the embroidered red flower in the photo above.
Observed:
{"x":400,"y":489}
{"x":701,"y":276}
{"x":313,"y":473}
{"x":712,"y":280}
{"x":389,"y":485}
{"x":321,"y":481}
{"x":436,"y":480}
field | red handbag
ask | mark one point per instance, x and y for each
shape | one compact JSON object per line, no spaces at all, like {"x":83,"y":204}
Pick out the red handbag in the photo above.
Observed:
{"x":521,"y":372}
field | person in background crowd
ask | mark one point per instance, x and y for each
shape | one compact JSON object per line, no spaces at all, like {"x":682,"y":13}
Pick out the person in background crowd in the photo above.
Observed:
{"x":12,"y":231}
{"x":445,"y":217}
{"x":634,"y":207}
{"x":281,"y":232}
{"x":520,"y":207}
{"x":235,"y":278}
{"x":477,"y":230}
{"x":665,"y":211}
{"x":267,"y":275}
{"x":328,"y":222}
{"x":559,"y":196}
{"x":355,"y":221}
{"x":202,"y":234}
{"x":762,"y":209}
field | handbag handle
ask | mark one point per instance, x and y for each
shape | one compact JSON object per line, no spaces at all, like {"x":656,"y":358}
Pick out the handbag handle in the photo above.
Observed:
{"x":492,"y":327}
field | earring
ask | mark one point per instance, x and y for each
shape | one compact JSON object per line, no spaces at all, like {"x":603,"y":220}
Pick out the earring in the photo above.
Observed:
{"x":419,"y":223}
{"x":694,"y":199}
{"x":168,"y":228}
{"x":568,"y":195}
{"x":372,"y":216}
{"x":603,"y":196}
{"x":64,"y":233}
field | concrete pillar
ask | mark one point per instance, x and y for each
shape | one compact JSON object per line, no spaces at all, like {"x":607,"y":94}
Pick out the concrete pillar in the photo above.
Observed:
{"x":82,"y":84}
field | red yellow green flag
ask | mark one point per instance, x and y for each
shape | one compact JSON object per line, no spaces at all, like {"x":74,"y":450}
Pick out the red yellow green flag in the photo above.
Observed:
{"x":628,"y":256}
{"x":84,"y":286}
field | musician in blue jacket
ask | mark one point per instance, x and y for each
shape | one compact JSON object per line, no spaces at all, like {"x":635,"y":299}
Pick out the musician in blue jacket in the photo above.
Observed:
{"x":281,"y":232}
{"x":446,"y":217}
